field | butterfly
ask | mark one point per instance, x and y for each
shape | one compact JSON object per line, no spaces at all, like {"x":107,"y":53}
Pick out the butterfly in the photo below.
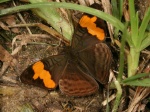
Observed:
{"x":78,"y":67}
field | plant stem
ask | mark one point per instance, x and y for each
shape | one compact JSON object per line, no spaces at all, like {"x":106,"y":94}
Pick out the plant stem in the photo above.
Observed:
{"x":121,"y":60}
{"x":118,"y":96}
{"x":133,"y":61}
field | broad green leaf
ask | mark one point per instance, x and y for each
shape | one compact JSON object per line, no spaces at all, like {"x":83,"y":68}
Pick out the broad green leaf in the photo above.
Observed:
{"x":55,"y":18}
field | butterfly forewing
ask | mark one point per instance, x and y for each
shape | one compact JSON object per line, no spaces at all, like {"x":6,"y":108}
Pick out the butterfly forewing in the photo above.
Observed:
{"x":53,"y":65}
{"x":82,"y":38}
{"x":75,"y":82}
{"x":94,"y":55}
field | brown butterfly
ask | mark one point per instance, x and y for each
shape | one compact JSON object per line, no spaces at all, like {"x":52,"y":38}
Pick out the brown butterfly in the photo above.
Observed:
{"x":78,"y":68}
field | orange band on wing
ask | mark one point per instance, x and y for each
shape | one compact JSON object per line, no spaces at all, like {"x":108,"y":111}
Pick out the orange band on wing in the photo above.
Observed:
{"x":39,"y":72}
{"x":88,"y":22}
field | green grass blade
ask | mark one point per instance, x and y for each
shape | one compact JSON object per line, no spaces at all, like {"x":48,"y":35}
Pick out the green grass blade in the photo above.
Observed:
{"x":144,"y":24}
{"x":143,"y":82}
{"x":115,"y":10}
{"x":146,"y":42}
{"x":120,"y":8}
{"x":137,"y":76}
{"x":134,"y":23}
{"x":114,"y":21}
{"x":1,"y":1}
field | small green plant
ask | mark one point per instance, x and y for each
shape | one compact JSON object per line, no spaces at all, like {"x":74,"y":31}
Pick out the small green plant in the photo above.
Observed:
{"x":137,"y":39}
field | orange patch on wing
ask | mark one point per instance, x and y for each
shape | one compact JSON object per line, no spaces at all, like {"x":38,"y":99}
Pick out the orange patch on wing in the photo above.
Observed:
{"x":39,"y":72}
{"x":88,"y":22}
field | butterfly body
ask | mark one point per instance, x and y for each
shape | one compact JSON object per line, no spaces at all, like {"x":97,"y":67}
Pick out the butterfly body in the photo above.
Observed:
{"x":79,"y":66}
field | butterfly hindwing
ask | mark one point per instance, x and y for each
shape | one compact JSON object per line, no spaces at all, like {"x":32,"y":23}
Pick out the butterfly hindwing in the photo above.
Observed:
{"x":75,"y":82}
{"x":97,"y":61}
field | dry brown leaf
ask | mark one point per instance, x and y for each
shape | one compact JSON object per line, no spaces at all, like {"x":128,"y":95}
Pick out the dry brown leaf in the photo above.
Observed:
{"x":3,"y":26}
{"x":5,"y":55}
{"x":7,"y":60}
{"x":10,"y":20}
{"x":15,"y":30}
